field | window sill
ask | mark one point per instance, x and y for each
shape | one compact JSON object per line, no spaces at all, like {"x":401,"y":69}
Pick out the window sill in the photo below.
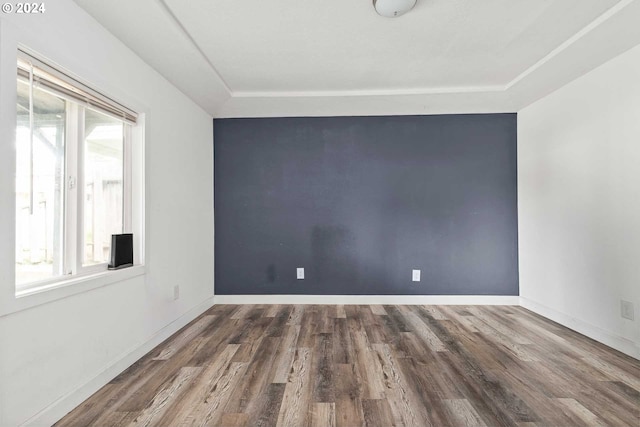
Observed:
{"x":67,"y":287}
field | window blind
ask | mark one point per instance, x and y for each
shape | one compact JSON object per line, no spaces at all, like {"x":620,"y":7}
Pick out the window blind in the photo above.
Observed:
{"x":49,"y":78}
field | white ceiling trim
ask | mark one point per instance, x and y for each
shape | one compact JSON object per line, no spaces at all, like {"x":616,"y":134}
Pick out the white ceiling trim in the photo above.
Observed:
{"x":372,"y":92}
{"x":571,"y":40}
{"x":374,"y":105}
{"x":172,"y":18}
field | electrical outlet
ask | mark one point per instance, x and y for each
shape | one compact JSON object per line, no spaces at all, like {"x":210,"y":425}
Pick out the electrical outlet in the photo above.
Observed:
{"x":176,"y":292}
{"x":415,"y":275}
{"x":299,"y":273}
{"x":626,"y":309}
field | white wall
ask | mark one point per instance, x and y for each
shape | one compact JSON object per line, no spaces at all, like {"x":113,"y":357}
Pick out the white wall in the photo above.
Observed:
{"x":579,"y":203}
{"x":53,"y":354}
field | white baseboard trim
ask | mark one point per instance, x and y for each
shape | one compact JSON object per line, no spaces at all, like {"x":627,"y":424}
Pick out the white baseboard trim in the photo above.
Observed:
{"x":58,"y":409}
{"x":610,"y":339}
{"x":369,"y":299}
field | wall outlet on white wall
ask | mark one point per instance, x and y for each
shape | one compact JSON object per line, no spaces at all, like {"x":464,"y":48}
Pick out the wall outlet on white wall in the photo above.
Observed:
{"x":626,"y":309}
{"x":176,"y":292}
{"x":299,"y":273}
{"x":415,"y":275}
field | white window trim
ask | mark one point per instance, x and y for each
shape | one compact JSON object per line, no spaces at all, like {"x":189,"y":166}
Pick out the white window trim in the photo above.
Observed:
{"x":77,"y":278}
{"x":71,"y":214}
{"x":66,"y":286}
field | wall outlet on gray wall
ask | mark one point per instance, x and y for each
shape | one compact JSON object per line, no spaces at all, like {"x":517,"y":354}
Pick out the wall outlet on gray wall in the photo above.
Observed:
{"x":415,"y":275}
{"x":176,"y":292}
{"x":626,"y":309}
{"x":299,"y":273}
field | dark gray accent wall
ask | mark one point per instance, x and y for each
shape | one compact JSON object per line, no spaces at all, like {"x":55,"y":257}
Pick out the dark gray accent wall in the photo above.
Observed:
{"x":361,"y":201}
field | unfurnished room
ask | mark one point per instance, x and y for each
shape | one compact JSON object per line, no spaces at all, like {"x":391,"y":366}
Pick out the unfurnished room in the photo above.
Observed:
{"x":419,"y":213}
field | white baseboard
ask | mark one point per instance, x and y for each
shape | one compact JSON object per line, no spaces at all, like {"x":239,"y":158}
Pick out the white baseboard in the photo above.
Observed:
{"x":369,"y":299}
{"x":610,"y":339}
{"x":62,"y":406}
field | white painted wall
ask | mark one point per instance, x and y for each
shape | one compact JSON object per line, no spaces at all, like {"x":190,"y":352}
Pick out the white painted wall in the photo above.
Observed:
{"x":52,"y":355}
{"x":579,"y":202}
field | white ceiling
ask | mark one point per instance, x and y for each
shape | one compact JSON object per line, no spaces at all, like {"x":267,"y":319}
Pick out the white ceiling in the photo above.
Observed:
{"x":333,"y":57}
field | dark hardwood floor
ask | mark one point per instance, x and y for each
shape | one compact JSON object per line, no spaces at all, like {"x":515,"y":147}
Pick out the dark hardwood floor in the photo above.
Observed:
{"x":260,"y":365}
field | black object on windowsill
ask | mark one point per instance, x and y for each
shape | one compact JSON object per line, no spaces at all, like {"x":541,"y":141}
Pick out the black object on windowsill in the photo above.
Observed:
{"x":121,"y":251}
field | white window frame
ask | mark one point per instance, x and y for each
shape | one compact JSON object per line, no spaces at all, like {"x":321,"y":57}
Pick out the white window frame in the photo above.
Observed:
{"x":73,"y":209}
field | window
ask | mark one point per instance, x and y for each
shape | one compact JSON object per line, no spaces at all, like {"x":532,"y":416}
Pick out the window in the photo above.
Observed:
{"x":73,"y":169}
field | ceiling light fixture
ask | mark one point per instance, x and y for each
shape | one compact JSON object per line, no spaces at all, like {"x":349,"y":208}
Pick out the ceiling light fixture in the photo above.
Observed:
{"x":393,"y":8}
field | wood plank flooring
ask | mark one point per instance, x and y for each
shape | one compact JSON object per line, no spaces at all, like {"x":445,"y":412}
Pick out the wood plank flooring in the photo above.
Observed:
{"x":321,"y":365}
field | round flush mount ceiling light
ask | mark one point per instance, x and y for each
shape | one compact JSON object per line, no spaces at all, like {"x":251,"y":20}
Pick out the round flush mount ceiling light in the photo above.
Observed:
{"x":393,"y":8}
